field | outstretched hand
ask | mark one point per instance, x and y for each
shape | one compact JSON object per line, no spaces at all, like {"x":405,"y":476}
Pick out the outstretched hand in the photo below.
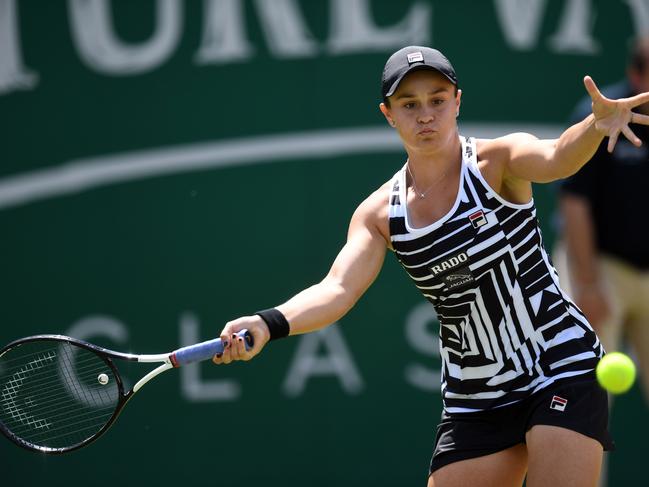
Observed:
{"x":613,"y":117}
{"x":235,"y":348}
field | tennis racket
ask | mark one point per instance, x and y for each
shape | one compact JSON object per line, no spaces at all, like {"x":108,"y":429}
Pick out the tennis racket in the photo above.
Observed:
{"x":58,"y":394}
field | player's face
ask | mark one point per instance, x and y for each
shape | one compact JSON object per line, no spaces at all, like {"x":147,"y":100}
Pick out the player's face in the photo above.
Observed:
{"x":424,"y":110}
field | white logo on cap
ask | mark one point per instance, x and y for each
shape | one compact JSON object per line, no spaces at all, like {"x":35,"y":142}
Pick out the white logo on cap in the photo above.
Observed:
{"x":415,"y":57}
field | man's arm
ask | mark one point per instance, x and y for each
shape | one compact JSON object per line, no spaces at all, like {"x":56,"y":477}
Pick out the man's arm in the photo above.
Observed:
{"x":579,"y":236}
{"x":352,"y":272}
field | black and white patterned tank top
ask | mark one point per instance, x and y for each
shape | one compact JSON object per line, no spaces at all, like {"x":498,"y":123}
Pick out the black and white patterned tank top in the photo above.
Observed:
{"x":507,"y":330}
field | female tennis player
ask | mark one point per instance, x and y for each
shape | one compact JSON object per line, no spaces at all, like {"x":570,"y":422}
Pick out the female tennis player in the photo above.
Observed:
{"x":519,"y":394}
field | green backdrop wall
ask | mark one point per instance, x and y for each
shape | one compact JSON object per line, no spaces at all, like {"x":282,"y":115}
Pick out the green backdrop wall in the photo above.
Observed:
{"x":168,"y":165}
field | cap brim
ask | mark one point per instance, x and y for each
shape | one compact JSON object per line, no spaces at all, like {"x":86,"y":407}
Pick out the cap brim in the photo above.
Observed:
{"x":416,"y":67}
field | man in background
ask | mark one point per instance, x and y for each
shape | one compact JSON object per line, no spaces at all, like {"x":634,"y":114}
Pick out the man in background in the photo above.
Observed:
{"x":604,"y":254}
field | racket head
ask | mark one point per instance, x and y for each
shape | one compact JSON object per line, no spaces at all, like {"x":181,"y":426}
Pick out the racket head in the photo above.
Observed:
{"x":52,"y":393}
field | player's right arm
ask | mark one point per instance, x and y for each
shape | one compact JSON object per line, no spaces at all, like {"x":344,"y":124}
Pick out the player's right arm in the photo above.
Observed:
{"x":354,"y":269}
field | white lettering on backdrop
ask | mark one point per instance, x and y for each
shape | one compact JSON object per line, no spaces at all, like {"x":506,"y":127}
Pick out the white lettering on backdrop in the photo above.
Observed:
{"x":288,"y":35}
{"x":338,"y":362}
{"x":14,"y":75}
{"x":422,"y":334}
{"x":286,"y":31}
{"x":318,"y":355}
{"x":100,"y":48}
{"x":639,"y":15}
{"x":192,"y":387}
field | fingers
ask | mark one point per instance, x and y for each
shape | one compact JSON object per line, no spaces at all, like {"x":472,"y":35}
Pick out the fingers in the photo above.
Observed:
{"x":612,"y":140}
{"x":637,"y":100}
{"x":235,"y":346}
{"x":633,"y":138}
{"x":231,"y":328}
{"x":639,"y":118}
{"x":613,"y":116}
{"x":592,"y":89}
{"x":235,"y":350}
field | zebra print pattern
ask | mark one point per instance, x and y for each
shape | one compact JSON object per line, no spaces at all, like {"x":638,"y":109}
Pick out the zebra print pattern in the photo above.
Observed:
{"x":507,"y":330}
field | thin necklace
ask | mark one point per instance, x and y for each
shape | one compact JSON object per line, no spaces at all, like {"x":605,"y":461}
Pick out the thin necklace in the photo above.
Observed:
{"x":414,"y":185}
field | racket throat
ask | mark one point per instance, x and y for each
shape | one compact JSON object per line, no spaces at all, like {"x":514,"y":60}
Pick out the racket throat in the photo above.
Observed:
{"x":157,"y":371}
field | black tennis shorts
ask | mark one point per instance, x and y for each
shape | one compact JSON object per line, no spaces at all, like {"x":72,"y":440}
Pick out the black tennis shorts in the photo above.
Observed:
{"x":576,"y":404}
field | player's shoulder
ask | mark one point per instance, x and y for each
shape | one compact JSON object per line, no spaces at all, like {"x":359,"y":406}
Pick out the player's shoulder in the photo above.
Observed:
{"x":376,"y":204}
{"x":501,"y":147}
{"x":372,"y":213}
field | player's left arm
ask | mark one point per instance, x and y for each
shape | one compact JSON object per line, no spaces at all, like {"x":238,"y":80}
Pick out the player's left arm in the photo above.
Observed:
{"x":530,"y":159}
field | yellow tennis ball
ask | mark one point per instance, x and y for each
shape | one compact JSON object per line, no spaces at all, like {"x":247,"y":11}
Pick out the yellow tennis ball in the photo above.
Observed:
{"x":616,"y":372}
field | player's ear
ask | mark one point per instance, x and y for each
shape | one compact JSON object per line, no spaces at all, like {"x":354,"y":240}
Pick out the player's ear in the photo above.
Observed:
{"x":386,"y":113}
{"x":458,"y":102}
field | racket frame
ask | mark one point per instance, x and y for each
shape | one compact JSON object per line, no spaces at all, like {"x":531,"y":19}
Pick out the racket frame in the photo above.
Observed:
{"x":106,"y":355}
{"x":177,"y":358}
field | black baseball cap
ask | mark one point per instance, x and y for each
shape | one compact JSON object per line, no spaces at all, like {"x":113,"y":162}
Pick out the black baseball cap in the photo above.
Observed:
{"x":413,"y":58}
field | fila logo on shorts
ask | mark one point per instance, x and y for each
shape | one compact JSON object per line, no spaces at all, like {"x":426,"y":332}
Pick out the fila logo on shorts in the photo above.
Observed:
{"x":478,"y":219}
{"x":558,"y":403}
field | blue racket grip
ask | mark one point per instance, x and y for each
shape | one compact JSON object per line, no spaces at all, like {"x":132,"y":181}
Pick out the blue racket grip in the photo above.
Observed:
{"x":205,"y":350}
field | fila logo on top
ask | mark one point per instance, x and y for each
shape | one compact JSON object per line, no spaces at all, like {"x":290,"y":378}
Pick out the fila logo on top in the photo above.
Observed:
{"x":469,"y":149}
{"x":477,"y":219}
{"x":558,"y":403}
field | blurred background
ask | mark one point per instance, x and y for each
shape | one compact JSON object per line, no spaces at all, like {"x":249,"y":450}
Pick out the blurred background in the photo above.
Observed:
{"x":168,"y":165}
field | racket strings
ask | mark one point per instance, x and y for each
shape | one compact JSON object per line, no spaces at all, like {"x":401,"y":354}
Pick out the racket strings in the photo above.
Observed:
{"x":49,"y":396}
{"x":44,"y":410}
{"x":99,"y":398}
{"x":107,"y":397}
{"x":25,"y":356}
{"x":47,"y":432}
{"x":89,"y":364}
{"x":103,"y":391}
{"x":51,"y":426}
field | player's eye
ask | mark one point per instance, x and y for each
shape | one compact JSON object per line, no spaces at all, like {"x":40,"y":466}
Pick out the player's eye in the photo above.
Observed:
{"x":409,"y":105}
